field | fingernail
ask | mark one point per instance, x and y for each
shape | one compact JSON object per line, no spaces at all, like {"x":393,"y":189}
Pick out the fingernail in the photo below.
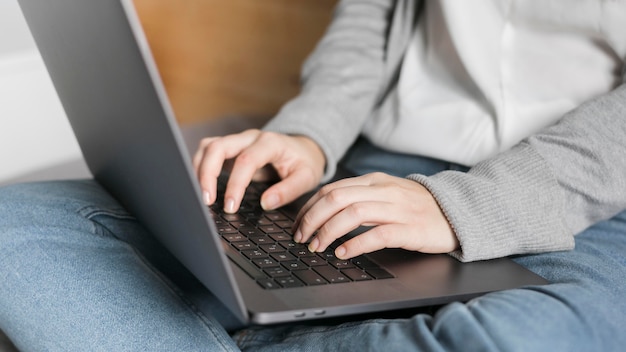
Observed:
{"x":313,"y":245}
{"x":229,"y":206}
{"x":297,"y":237}
{"x":270,"y":202}
{"x":340,"y":252}
{"x":207,"y":197}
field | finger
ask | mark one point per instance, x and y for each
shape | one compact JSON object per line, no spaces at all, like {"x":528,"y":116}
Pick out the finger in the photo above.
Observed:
{"x":324,"y":191}
{"x":300,"y":181}
{"x":240,"y":177}
{"x":335,"y":201}
{"x":206,"y":178}
{"x":213,"y":153}
{"x":370,"y":213}
{"x":379,"y":237}
{"x":199,"y":154}
{"x":251,"y":159}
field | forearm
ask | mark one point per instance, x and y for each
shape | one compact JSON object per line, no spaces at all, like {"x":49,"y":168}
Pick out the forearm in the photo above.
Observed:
{"x":341,"y":79}
{"x":537,"y":196}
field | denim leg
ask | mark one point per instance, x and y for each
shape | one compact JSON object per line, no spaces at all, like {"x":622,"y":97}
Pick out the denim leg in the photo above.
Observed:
{"x":364,"y":157}
{"x":78,"y":273}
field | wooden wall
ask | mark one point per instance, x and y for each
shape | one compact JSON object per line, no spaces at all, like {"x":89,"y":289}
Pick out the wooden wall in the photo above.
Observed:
{"x":231,"y":57}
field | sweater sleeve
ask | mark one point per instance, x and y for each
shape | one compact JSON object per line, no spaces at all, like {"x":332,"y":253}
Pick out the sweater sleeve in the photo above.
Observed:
{"x":538,"y":195}
{"x":341,"y":79}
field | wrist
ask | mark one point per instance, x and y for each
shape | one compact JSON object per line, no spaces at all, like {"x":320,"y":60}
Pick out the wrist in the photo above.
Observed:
{"x":314,"y":151}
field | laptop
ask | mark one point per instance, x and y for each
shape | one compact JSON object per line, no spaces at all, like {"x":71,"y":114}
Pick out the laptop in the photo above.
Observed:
{"x":101,"y":66}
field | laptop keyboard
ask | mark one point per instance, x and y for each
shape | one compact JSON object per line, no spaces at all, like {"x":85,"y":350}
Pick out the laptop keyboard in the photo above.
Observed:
{"x":260,"y":243}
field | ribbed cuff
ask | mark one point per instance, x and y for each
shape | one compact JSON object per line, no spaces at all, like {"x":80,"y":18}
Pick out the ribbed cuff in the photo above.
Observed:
{"x":510,"y":204}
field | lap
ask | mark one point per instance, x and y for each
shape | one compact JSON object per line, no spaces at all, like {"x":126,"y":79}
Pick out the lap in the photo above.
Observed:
{"x":101,"y":258}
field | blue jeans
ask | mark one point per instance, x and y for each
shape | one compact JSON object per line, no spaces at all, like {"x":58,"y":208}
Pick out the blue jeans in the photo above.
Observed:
{"x":77,"y":272}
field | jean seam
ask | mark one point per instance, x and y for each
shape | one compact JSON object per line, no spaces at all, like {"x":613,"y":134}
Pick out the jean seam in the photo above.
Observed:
{"x":90,"y":213}
{"x":247,"y":336}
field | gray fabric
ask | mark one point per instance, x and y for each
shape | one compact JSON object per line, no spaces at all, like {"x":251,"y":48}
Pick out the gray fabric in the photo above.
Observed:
{"x":347,"y":75}
{"x":502,"y":206}
{"x":532,"y":198}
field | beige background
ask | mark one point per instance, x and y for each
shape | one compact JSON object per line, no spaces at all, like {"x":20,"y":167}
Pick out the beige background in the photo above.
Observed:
{"x":237,"y":57}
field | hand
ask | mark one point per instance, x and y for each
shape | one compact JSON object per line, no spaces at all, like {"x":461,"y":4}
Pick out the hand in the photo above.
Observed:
{"x":402,"y":213}
{"x":298,"y":161}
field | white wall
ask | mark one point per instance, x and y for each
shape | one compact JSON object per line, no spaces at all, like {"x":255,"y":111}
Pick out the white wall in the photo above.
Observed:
{"x":14,"y":35}
{"x":34,"y":132}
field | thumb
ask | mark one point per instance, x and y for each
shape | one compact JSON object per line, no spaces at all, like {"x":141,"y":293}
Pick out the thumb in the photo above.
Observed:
{"x":289,"y":189}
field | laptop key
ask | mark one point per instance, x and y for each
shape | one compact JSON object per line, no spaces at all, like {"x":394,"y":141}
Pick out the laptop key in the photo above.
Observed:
{"x":285,"y":224}
{"x":233,"y":217}
{"x":272,"y":248}
{"x":289,"y":282}
{"x":281,"y":237}
{"x":379,"y":273}
{"x":252,"y":232}
{"x":234,"y":237}
{"x":328,"y":255}
{"x":342,"y":264}
{"x":283,"y":256}
{"x":251,"y":215}
{"x":356,"y":274}
{"x":261,"y":240}
{"x":254,"y":254}
{"x":268,"y":284}
{"x":289,"y":244}
{"x":302,"y":252}
{"x":265,"y":262}
{"x":364,"y":263}
{"x":269,"y":229}
{"x":310,"y":277}
{"x":225,"y":229}
{"x":276,"y":216}
{"x":244,"y":245}
{"x":331,"y":275}
{"x":313,"y":261}
{"x":294,"y":265}
{"x":277,"y":272}
{"x":263,"y":221}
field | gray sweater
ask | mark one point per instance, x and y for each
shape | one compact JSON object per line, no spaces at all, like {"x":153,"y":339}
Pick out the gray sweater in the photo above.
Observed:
{"x":533,"y":198}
